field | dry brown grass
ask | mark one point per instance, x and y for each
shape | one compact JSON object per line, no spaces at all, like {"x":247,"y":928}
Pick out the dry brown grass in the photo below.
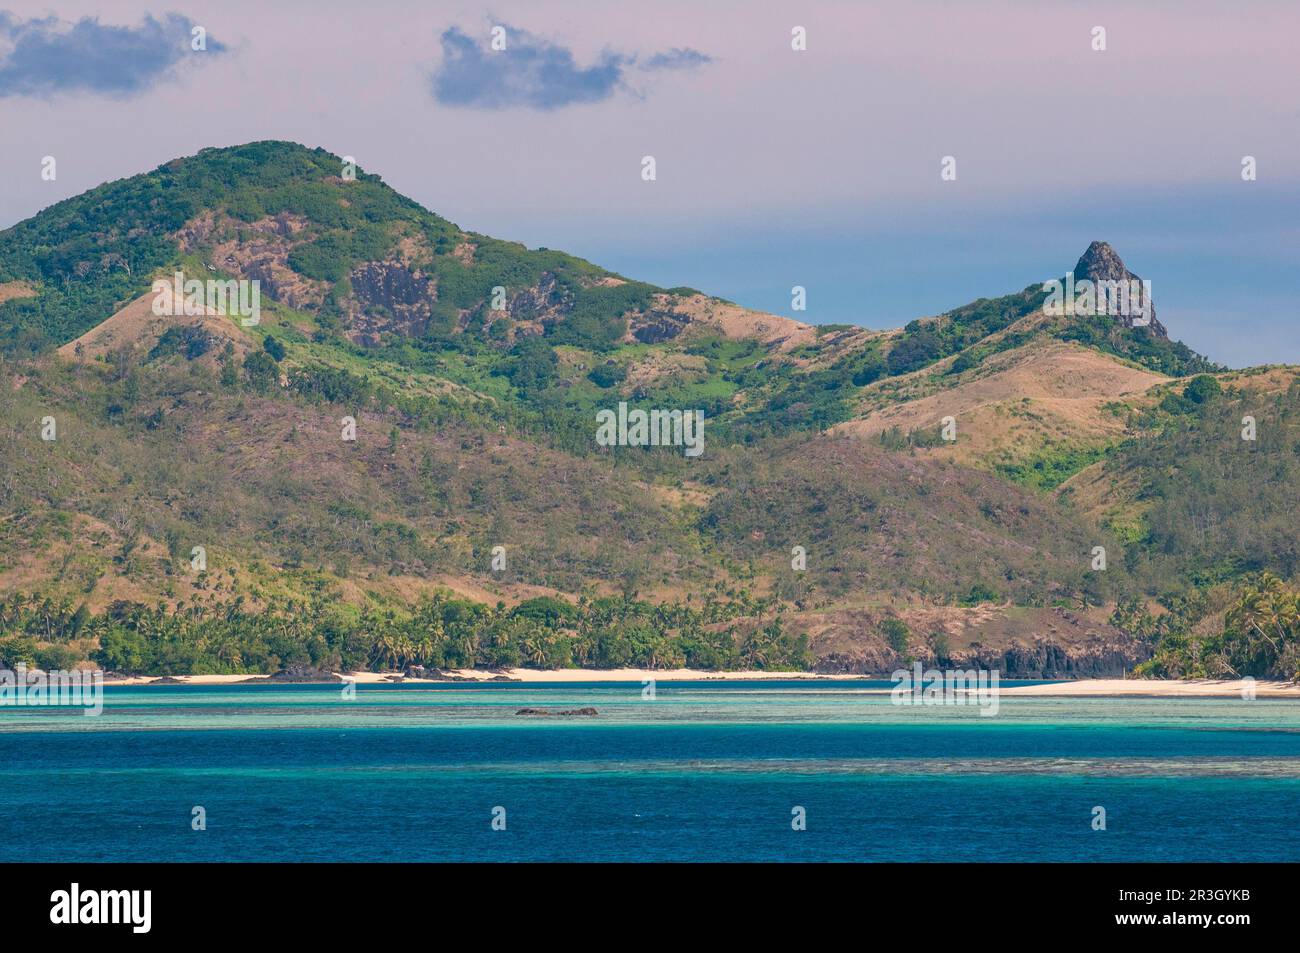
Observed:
{"x":735,"y":322}
{"x":663,"y":368}
{"x":9,"y":290}
{"x":136,"y":327}
{"x":1045,"y":393}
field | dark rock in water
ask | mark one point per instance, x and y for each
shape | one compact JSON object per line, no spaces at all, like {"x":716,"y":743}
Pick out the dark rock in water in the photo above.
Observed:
{"x":1101,"y":263}
{"x":300,"y":673}
{"x":435,"y":675}
{"x":166,"y":680}
{"x":428,"y":674}
{"x":547,"y":711}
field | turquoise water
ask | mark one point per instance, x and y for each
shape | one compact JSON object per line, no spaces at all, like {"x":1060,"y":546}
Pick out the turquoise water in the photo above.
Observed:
{"x":705,"y":771}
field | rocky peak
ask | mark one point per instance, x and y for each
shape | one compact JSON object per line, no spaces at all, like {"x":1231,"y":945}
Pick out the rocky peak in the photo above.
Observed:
{"x":1102,"y":263}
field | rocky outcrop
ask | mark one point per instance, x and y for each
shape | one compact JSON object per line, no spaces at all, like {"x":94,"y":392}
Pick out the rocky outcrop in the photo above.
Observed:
{"x":1033,"y":643}
{"x":1047,"y":659}
{"x":1042,"y":658}
{"x":298,"y":673}
{"x":547,"y":303}
{"x":1101,"y":263}
{"x":657,"y":325}
{"x":388,"y":296}
{"x":548,"y":713}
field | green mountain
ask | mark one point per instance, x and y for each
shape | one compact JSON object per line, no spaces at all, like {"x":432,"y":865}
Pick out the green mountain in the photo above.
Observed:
{"x":201,"y":508}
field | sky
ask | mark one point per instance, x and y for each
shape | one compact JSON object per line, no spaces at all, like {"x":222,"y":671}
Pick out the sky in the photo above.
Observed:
{"x":774,"y":167}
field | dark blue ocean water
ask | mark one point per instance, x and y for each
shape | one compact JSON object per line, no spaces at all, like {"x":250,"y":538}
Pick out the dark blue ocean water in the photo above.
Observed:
{"x":704,"y":771}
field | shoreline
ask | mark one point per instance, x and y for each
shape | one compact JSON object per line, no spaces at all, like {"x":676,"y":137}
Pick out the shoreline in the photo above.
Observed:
{"x":518,"y":675}
{"x":1081,"y":688}
{"x":1157,"y":688}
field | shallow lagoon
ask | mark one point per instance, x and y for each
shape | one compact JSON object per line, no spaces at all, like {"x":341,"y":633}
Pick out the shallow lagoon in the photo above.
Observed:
{"x":706,"y":770}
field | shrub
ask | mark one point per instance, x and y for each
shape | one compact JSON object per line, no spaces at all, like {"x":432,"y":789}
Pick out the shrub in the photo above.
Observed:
{"x":261,"y":373}
{"x":1202,"y":388}
{"x":607,"y":374}
{"x":896,"y":633}
{"x":914,"y":351}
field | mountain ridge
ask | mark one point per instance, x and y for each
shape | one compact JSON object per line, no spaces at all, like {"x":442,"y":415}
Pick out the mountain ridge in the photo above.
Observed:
{"x":475,"y":437}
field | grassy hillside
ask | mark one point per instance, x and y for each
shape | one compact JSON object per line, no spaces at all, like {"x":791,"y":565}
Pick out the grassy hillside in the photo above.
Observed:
{"x":1197,"y":503}
{"x":474,"y":369}
{"x":153,"y":459}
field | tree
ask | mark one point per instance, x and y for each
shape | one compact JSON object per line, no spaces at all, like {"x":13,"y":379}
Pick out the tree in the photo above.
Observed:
{"x":870,"y":369}
{"x":532,"y":368}
{"x":121,"y":650}
{"x":1260,"y":630}
{"x":1202,"y":389}
{"x":914,"y":350}
{"x":261,"y":373}
{"x":964,"y":362}
{"x":607,"y":374}
{"x":896,"y":633}
{"x":229,"y":373}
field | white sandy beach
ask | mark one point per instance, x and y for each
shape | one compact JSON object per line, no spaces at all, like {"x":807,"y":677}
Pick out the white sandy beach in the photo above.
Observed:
{"x":1115,"y":687}
{"x":1083,"y":688}
{"x":518,"y":675}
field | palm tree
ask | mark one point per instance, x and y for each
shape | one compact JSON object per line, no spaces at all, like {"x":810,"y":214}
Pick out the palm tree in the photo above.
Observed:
{"x":1260,"y":628}
{"x":404,"y":650}
{"x":424,"y":648}
{"x":383,"y":651}
{"x":533,"y":647}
